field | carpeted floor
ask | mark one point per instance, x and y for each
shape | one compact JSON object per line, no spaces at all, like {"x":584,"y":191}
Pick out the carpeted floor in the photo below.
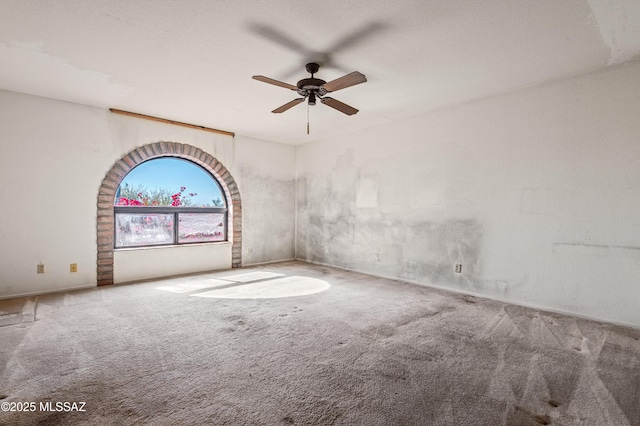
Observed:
{"x":293,"y":343}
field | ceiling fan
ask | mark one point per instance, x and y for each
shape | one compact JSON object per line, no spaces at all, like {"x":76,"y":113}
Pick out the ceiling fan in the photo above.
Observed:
{"x":314,"y":88}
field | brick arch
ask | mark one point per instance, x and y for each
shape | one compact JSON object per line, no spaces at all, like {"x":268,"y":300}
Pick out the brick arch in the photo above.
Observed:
{"x":105,"y":219}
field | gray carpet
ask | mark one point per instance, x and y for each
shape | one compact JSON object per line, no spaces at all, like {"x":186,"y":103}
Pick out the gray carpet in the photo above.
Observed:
{"x":345,"y":349}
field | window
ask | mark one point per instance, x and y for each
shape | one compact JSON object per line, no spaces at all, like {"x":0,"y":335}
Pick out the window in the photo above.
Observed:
{"x":168,"y":201}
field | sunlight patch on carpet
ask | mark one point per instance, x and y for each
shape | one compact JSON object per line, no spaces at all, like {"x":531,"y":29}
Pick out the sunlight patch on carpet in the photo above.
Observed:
{"x":270,"y":289}
{"x":188,"y":286}
{"x":251,"y":276}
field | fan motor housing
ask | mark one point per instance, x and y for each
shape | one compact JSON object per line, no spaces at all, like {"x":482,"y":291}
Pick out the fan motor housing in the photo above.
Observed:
{"x":307,"y":85}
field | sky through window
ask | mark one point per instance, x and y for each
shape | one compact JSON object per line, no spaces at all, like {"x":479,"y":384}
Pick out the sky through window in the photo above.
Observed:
{"x":173,"y":174}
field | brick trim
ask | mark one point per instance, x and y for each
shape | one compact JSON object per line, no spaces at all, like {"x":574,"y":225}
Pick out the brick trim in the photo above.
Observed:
{"x":105,"y":217}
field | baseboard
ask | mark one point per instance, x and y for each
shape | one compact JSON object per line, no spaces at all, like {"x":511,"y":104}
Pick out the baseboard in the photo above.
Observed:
{"x":482,"y":296}
{"x":247,"y":265}
{"x":40,"y":293}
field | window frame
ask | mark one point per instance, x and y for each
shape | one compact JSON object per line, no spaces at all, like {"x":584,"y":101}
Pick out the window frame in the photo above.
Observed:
{"x":175,"y":211}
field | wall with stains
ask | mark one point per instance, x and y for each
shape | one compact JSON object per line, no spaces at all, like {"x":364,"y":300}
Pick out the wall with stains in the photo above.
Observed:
{"x":536,"y":193}
{"x":267,"y":173}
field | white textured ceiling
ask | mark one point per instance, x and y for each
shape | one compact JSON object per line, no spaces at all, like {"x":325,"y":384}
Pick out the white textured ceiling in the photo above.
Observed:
{"x":192,"y":60}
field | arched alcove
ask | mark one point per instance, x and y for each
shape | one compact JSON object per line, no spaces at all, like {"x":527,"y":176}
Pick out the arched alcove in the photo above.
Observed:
{"x":106,"y":194}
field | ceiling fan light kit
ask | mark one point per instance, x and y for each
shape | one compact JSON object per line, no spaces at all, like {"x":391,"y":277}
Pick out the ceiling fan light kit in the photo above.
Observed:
{"x":313,"y":89}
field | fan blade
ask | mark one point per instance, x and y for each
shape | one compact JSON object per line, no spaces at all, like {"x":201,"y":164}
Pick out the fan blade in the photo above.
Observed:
{"x":278,"y":37}
{"x":356,"y":37}
{"x":324,"y":57}
{"x":288,"y":105}
{"x":345,"y":81}
{"x":274,"y":82}
{"x":340,"y":106}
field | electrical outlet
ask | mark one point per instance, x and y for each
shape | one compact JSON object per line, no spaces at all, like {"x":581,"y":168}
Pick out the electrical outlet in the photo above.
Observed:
{"x":458,"y":268}
{"x":73,"y":267}
{"x":377,"y":256}
{"x":40,"y":269}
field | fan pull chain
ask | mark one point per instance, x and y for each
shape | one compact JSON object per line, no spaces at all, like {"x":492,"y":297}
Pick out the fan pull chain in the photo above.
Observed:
{"x":307,"y":119}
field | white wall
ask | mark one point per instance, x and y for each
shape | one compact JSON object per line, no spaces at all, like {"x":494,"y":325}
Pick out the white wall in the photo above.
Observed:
{"x":53,"y":157}
{"x":157,"y":262}
{"x":535,"y":192}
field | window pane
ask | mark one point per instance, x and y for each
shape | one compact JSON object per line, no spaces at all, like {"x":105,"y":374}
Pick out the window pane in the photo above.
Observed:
{"x":200,"y":227}
{"x":169,"y":182}
{"x":143,"y":229}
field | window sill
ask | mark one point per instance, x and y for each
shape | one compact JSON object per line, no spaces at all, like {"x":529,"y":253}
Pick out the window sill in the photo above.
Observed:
{"x":173,"y":246}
